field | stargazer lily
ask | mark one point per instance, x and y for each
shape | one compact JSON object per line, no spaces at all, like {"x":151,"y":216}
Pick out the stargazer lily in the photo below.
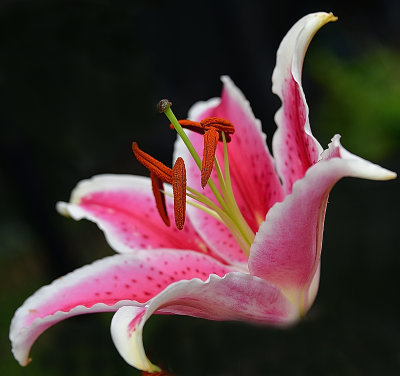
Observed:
{"x":248,"y":245}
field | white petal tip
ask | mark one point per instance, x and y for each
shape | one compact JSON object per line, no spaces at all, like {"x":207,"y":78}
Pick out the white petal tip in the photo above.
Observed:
{"x":25,"y":362}
{"x":20,"y":354}
{"x":126,"y":332}
{"x":200,"y":107}
{"x":328,"y":17}
{"x":62,"y":208}
{"x":360,"y":167}
{"x":390,"y":175}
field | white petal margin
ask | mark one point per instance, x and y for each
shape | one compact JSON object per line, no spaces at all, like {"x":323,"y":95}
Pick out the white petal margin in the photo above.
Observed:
{"x":108,"y":182}
{"x":233,"y":105}
{"x":291,"y":53}
{"x":24,"y":333}
{"x":199,"y":108}
{"x":236,"y":296}
{"x":292,"y":50}
{"x":289,"y":64}
{"x":100,"y":183}
{"x":126,"y":212}
{"x":287,"y":247}
{"x":356,"y":166}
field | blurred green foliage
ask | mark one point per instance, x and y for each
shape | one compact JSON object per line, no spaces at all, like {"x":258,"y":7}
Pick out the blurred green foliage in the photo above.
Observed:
{"x":360,"y":100}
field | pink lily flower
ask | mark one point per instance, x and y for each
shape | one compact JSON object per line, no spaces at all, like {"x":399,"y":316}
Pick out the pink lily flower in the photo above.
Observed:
{"x":251,"y":254}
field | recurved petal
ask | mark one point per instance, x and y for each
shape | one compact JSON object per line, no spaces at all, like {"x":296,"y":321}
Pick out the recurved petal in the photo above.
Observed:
{"x":104,"y":286}
{"x":237,"y":296}
{"x":356,"y":166}
{"x":294,"y":147}
{"x":286,"y":250}
{"x":123,"y":207}
{"x":255,"y":183}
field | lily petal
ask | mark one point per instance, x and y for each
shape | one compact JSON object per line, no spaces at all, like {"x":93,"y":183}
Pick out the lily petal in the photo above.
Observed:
{"x":286,"y":250}
{"x":105,"y":286}
{"x":124,"y":208}
{"x":236,"y":296}
{"x":255,"y":183}
{"x":294,"y":146}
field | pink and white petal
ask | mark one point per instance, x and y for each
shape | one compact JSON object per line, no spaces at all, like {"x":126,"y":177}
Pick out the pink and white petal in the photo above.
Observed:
{"x":104,"y":286}
{"x":311,"y":290}
{"x":123,"y":207}
{"x":358,"y":167}
{"x":236,"y":296}
{"x":286,"y":250}
{"x":294,"y":146}
{"x":255,"y":183}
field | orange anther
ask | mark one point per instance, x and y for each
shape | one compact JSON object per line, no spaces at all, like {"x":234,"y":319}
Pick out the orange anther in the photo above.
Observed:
{"x":191,"y":125}
{"x":220,"y":124}
{"x":210,"y":145}
{"x":211,"y":128}
{"x":159,"y":169}
{"x":179,"y":189}
{"x":160,"y":173}
{"x":158,"y":192}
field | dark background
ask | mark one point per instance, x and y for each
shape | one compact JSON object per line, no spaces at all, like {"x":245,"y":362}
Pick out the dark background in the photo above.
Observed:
{"x":79,"y":80}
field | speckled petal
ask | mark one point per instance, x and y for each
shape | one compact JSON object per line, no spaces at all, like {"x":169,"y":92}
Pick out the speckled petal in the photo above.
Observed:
{"x":104,"y":286}
{"x":286,"y":250}
{"x":123,"y":206}
{"x":255,"y":183}
{"x":237,"y":296}
{"x":295,"y":149}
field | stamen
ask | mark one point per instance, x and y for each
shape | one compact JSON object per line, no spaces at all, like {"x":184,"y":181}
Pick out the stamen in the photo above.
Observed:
{"x":179,"y":189}
{"x":159,"y":169}
{"x":171,"y":117}
{"x":158,"y":192}
{"x":193,"y":126}
{"x":212,"y":128}
{"x":225,"y":209}
{"x":160,"y":173}
{"x":220,"y":124}
{"x":210,"y":145}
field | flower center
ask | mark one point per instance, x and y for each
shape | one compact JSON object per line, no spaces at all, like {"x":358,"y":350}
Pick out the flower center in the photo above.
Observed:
{"x":225,"y":209}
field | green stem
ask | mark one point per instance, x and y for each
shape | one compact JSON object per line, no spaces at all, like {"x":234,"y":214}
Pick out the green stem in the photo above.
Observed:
{"x":171,"y":117}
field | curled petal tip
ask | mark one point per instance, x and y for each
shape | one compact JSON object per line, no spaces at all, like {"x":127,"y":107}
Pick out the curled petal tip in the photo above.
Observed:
{"x":360,"y":167}
{"x":126,"y":332}
{"x":390,"y":175}
{"x":62,"y":209}
{"x":329,"y":17}
{"x":332,"y":17}
{"x":325,"y":17}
